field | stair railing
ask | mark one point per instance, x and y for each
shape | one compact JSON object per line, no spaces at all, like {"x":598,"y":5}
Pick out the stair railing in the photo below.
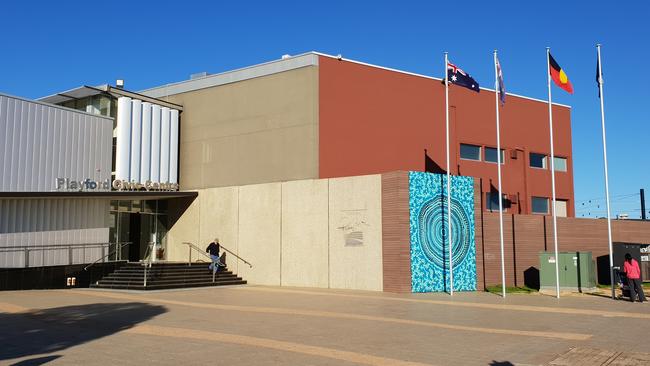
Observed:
{"x":189,"y":260}
{"x":147,"y":261}
{"x":118,"y":248}
{"x":192,"y":246}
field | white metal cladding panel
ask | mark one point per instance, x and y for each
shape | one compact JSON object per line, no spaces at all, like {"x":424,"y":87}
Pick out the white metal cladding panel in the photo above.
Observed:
{"x":33,"y":222}
{"x":145,"y":151}
{"x":34,"y":215}
{"x":164,"y":144}
{"x":123,"y":145}
{"x":173,"y":147}
{"x":41,"y":142}
{"x":136,"y":139}
{"x":53,"y":255}
{"x":155,"y":143}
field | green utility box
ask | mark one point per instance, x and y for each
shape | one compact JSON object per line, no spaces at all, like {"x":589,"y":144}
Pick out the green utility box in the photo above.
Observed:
{"x":577,"y":271}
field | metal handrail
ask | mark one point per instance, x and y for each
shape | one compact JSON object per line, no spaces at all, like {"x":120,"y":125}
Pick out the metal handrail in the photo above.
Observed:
{"x":118,"y":247}
{"x":147,"y":262}
{"x":49,"y":246}
{"x":222,"y":247}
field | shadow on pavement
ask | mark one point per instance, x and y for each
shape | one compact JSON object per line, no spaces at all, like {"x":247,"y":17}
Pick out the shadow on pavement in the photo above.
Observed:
{"x":501,"y":363}
{"x":37,"y":361}
{"x":51,"y":330}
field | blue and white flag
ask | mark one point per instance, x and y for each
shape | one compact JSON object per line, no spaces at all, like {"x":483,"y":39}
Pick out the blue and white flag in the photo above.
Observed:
{"x":500,"y":85}
{"x":456,"y":75}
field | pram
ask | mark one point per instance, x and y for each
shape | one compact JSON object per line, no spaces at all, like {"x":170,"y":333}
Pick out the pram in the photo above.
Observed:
{"x":622,"y":283}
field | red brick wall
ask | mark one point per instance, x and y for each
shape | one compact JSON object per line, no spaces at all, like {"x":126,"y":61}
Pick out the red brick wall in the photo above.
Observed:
{"x":527,"y":235}
{"x":396,"y":242}
{"x":373,"y":120}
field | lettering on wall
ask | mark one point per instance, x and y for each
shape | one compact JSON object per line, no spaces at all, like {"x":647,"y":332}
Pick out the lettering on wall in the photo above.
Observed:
{"x":90,"y":185}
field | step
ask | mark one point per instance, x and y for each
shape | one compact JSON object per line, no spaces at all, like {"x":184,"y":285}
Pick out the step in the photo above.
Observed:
{"x":166,"y":270}
{"x":168,"y":286}
{"x":152,"y":280}
{"x":157,"y":278}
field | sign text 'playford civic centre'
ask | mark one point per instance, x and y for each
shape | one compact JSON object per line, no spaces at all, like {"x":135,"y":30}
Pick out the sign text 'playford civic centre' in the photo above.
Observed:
{"x":90,"y":185}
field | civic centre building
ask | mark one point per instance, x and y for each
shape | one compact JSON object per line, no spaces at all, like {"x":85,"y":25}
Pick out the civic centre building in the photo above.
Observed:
{"x":317,"y":170}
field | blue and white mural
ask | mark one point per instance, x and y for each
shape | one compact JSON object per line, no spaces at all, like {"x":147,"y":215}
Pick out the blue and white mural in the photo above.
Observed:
{"x":428,"y":224}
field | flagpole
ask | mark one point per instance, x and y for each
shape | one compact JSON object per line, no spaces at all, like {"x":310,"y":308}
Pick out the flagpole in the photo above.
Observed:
{"x":451,"y":269}
{"x":550,"y":124}
{"x":497,"y":90}
{"x":609,"y":222}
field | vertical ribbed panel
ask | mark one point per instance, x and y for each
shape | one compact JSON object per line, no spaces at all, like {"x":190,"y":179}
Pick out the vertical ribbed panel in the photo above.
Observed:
{"x":164,"y":144}
{"x":40,"y":143}
{"x":145,"y":151}
{"x":53,"y":222}
{"x":173,"y":147}
{"x":122,"y":155}
{"x":136,"y":137}
{"x":155,"y":143}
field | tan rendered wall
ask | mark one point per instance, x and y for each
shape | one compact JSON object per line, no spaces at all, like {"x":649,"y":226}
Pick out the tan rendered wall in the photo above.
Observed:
{"x":355,"y":233}
{"x":220,"y":219}
{"x":308,"y":233}
{"x":305,"y":256}
{"x":260,"y":232}
{"x":254,"y":131}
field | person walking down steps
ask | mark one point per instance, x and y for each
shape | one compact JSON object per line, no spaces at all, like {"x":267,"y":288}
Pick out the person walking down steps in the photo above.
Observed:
{"x":213,"y":249}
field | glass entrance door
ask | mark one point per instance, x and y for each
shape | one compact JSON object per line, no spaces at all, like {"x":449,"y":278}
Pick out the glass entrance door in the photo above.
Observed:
{"x":141,"y":223}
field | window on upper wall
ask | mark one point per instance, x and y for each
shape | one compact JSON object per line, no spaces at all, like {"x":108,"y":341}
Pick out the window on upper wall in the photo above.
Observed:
{"x":560,"y":208}
{"x":492,"y":201}
{"x":560,"y":164}
{"x":539,"y":205}
{"x":491,"y":155}
{"x":470,"y":152}
{"x":538,"y":160}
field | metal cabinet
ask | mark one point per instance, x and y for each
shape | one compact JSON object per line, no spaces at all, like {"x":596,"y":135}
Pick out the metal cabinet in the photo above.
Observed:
{"x":576,"y":271}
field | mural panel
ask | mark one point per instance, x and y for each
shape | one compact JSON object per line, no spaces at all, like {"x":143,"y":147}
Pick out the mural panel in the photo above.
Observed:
{"x":428,"y":225}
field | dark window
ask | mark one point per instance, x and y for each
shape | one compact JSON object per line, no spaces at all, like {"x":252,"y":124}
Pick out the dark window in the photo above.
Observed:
{"x":538,"y":160}
{"x":491,"y":155}
{"x":470,"y":152}
{"x":539,"y":205}
{"x":492,"y":201}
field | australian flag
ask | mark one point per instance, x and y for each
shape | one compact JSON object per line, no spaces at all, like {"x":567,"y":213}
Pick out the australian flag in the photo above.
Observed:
{"x":457,"y":76}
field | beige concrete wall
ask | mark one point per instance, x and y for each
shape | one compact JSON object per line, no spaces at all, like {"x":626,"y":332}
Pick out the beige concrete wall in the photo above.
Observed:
{"x":254,"y":131}
{"x":185,"y":229}
{"x":260,"y":232}
{"x":355,"y":229}
{"x":307,"y":233}
{"x":305,"y":254}
{"x":220,"y":219}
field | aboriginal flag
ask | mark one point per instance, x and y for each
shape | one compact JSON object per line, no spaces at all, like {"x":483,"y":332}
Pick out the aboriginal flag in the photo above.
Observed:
{"x":558,"y":75}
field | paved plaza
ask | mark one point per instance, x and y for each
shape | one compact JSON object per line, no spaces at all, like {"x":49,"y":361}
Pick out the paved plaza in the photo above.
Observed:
{"x":254,"y":325}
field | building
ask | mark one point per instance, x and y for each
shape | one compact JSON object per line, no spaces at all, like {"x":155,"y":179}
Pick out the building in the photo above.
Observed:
{"x":321,"y":171}
{"x":318,"y":116}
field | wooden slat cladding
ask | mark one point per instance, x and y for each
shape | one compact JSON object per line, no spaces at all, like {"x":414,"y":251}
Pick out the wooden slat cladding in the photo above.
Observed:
{"x":396,"y":243}
{"x":527,"y":235}
{"x":478,"y":236}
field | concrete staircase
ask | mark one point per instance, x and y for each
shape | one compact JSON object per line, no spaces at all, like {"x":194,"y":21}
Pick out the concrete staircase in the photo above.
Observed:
{"x":166,"y":276}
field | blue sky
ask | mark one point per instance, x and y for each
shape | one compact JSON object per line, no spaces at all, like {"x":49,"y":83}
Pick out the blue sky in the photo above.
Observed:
{"x":49,"y":47}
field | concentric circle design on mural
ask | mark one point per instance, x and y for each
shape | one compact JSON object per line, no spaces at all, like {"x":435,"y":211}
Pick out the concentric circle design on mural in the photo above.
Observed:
{"x":433,"y":228}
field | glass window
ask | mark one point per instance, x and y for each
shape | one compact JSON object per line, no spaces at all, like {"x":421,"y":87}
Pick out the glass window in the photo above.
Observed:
{"x":470,"y":152}
{"x":540,"y":205}
{"x":560,"y":208}
{"x":492,"y":201}
{"x":537,"y":160}
{"x":491,"y":155}
{"x":560,"y":164}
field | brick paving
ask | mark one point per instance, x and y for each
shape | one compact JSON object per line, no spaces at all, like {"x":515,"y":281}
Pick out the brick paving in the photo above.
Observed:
{"x":252,"y":325}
